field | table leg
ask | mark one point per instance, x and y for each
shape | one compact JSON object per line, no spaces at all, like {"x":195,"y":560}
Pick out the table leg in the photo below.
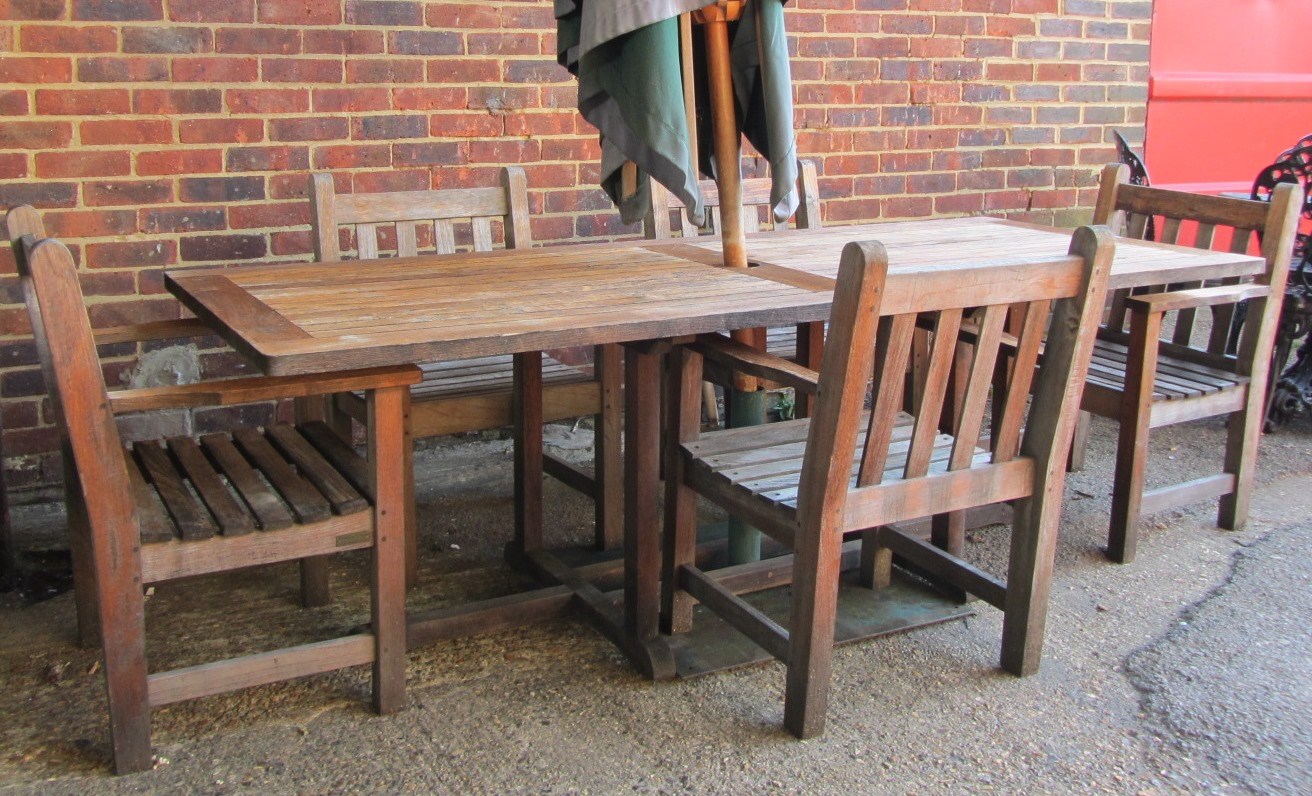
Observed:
{"x":642,"y":520}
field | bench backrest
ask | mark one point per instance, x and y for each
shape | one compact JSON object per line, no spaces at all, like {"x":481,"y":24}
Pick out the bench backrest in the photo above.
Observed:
{"x":407,"y":222}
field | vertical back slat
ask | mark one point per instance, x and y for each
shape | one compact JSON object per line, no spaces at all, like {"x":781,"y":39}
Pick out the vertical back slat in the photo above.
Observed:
{"x":482,"y":229}
{"x":942,"y":351}
{"x":366,"y":241}
{"x":987,"y":342}
{"x":1170,"y":229}
{"x":894,"y":344}
{"x":444,"y":236}
{"x":1029,"y":341}
{"x":323,"y":197}
{"x":407,"y":243}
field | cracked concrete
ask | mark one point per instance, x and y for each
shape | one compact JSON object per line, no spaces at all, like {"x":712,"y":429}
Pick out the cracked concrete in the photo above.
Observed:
{"x":1185,"y":672}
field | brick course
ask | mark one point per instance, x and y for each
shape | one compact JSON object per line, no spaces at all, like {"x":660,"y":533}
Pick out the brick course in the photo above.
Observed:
{"x":155,"y":133}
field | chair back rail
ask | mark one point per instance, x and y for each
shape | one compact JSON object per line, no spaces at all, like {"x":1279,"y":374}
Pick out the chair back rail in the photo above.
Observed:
{"x":369,"y":217}
{"x":883,"y":319}
{"x":756,"y":195}
{"x":1186,"y":219}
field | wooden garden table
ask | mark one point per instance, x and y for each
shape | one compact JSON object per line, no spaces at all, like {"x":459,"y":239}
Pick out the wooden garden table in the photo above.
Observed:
{"x":292,"y":319}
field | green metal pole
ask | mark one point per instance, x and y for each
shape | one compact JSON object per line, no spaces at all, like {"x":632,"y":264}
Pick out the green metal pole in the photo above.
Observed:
{"x":744,"y":409}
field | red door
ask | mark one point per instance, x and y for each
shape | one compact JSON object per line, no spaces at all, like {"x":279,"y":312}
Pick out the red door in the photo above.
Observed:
{"x":1230,"y":87}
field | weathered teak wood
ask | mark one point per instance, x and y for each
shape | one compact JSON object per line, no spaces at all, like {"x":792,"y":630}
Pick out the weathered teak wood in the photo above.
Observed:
{"x":846,"y":470}
{"x":206,"y":526}
{"x":482,"y":393}
{"x":1146,"y":378}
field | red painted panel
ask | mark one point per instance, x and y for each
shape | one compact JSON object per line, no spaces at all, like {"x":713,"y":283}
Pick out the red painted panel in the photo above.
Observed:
{"x":1229,"y":89}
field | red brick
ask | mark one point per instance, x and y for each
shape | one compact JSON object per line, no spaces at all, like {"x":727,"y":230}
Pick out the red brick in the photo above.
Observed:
{"x":464,"y":70}
{"x":211,"y":11}
{"x":37,"y":9}
{"x":298,"y":242}
{"x":1057,"y":72}
{"x":110,"y":69}
{"x":268,"y":158}
{"x":373,"y":128}
{"x":314,"y":128}
{"x":81,"y":102}
{"x":532,"y":124}
{"x":302,"y":70}
{"x":268,"y":100}
{"x":350,"y":100}
{"x":13,"y":165}
{"x":35,"y":135}
{"x":127,"y":192}
{"x":277,"y":215}
{"x":391,"y":13}
{"x":275,"y":41}
{"x":294,"y":186}
{"x":353,"y":156}
{"x":420,"y":99}
{"x":425,"y":42}
{"x":391,"y":180}
{"x":221,"y":131}
{"x":226,"y":248}
{"x":381,"y":70}
{"x":344,"y":42}
{"x":13,"y":103}
{"x":501,"y":99}
{"x":90,"y":223}
{"x":468,"y":125}
{"x":182,"y":219}
{"x":429,"y":153}
{"x":185,"y":161}
{"x":82,"y":164}
{"x":215,"y":69}
{"x":498,"y":43}
{"x":118,"y":10}
{"x":121,"y":131}
{"x":39,"y":194}
{"x":177,"y":101}
{"x":168,"y":39}
{"x":465,"y":16}
{"x":68,"y":39}
{"x":131,"y":254}
{"x":300,"y":12}
{"x":111,"y":283}
{"x":504,"y":151}
{"x":221,"y":189}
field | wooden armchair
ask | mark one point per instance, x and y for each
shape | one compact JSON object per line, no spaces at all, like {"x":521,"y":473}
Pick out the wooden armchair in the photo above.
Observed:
{"x":181,"y":507}
{"x":802,"y":343}
{"x":1149,"y":371}
{"x":490,"y":392}
{"x":847,"y":471}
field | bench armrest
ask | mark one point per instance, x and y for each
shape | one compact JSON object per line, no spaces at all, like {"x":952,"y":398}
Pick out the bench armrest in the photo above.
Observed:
{"x":1196,"y":297}
{"x":224,"y":392}
{"x":154,"y":330}
{"x":737,"y":356}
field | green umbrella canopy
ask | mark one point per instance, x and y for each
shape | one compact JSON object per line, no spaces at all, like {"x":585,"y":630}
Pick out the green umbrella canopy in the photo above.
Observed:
{"x":625,"y":54}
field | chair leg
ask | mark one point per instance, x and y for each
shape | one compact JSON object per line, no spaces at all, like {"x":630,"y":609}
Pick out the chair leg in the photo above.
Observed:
{"x":1079,"y":443}
{"x":1127,"y":488}
{"x":948,"y":533}
{"x":711,"y":404}
{"x":84,"y":570}
{"x":816,"y":566}
{"x":411,"y":520}
{"x":123,"y":629}
{"x":387,"y":465}
{"x":1241,"y":443}
{"x":608,"y":463}
{"x":315,"y":591}
{"x":876,"y":571}
{"x":1029,"y":583}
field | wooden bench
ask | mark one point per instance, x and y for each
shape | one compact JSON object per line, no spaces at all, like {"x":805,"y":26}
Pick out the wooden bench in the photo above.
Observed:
{"x":848,"y":472}
{"x":164,"y":510}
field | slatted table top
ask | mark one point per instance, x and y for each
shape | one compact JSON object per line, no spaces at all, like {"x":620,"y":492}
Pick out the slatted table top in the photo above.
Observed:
{"x":940,"y":243}
{"x":306,"y":318}
{"x":298,"y":318}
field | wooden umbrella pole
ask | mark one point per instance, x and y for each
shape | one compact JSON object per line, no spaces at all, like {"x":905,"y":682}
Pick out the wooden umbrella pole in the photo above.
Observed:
{"x":715,"y":20}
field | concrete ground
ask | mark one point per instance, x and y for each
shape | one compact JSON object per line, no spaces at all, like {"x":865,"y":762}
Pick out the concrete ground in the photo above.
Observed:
{"x":1185,"y":672}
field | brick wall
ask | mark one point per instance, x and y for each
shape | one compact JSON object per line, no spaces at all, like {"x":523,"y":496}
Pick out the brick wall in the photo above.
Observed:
{"x":160,"y":132}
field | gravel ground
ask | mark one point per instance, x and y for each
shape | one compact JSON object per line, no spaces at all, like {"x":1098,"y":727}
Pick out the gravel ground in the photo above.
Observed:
{"x":1185,"y":672}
